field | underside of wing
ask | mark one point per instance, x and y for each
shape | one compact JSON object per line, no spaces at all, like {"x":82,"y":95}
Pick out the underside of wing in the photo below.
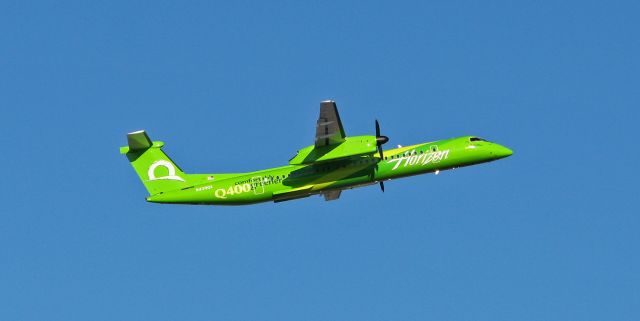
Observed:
{"x":292,"y":194}
{"x":329,"y":130}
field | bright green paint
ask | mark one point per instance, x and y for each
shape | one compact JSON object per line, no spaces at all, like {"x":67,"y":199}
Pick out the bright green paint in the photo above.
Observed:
{"x":310,"y":172}
{"x":353,"y":146}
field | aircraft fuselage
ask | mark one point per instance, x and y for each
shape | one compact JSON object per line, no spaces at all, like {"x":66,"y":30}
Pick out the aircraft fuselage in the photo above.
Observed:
{"x":297,"y":181}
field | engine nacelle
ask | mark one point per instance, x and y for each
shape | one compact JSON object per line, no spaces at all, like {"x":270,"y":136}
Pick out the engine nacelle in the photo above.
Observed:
{"x":352,"y":146}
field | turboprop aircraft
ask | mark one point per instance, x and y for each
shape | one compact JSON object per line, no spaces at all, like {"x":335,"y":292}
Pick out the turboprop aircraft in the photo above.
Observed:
{"x":332,"y":164}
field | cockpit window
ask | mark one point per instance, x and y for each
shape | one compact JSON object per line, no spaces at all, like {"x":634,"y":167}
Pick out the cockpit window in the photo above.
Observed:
{"x":477,"y":139}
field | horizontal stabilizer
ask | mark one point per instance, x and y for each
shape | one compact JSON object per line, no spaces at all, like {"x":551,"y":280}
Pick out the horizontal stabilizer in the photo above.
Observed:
{"x":138,"y":140}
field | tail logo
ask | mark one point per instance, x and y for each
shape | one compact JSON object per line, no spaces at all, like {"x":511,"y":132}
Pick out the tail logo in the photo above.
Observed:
{"x":170,"y":168}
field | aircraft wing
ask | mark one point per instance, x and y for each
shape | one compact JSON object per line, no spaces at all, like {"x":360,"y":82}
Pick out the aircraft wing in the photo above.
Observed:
{"x":329,"y":130}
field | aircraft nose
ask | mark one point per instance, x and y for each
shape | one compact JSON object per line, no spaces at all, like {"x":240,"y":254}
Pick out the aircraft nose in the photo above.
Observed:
{"x":502,"y":151}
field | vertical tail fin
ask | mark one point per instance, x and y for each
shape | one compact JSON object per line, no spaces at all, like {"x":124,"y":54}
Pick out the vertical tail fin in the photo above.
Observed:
{"x":156,"y":170}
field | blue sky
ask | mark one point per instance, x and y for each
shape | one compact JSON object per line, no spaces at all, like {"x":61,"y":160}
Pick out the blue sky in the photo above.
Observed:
{"x":550,"y":233}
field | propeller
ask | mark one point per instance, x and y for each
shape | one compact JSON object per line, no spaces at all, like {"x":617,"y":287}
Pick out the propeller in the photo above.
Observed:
{"x":380,"y":140}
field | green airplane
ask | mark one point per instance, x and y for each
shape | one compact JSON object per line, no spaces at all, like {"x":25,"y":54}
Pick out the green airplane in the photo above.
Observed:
{"x":332,"y":164}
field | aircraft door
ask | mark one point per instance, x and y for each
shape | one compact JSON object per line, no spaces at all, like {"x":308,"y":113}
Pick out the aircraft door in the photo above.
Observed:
{"x":258,"y":184}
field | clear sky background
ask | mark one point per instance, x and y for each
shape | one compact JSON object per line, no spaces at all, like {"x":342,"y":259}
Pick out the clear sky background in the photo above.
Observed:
{"x":551,"y":233}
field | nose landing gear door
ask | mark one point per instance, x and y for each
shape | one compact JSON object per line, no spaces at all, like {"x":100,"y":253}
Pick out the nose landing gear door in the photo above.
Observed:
{"x":257,"y":183}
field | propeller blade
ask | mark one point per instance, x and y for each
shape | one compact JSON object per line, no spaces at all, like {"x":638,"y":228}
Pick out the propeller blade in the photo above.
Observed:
{"x":380,"y":140}
{"x":382,"y":186}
